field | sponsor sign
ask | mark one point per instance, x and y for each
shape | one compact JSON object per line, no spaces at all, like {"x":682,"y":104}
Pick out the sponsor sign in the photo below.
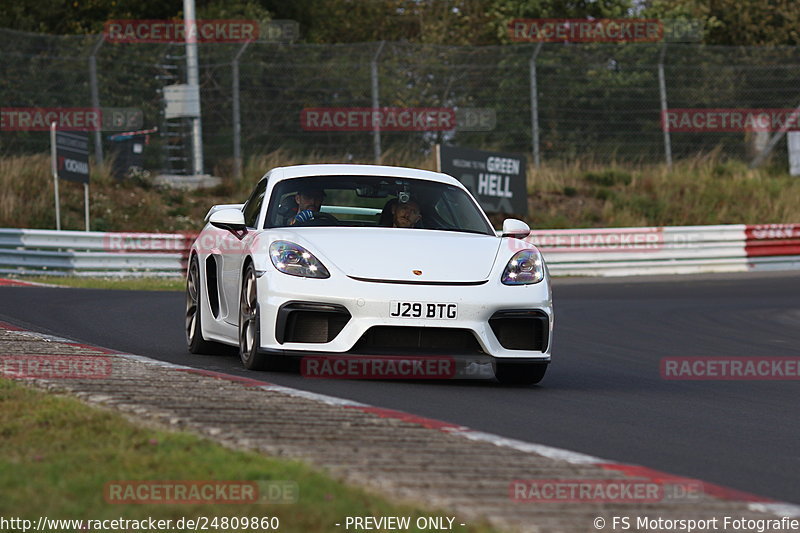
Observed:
{"x":729,"y":120}
{"x":177,"y":31}
{"x":586,"y":31}
{"x":497,"y":180}
{"x":72,"y":156}
{"x":70,"y":118}
{"x":769,"y":240}
{"x":773,"y":231}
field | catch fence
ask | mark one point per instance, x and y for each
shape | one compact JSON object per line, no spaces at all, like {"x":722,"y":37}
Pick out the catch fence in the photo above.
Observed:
{"x":597,"y":102}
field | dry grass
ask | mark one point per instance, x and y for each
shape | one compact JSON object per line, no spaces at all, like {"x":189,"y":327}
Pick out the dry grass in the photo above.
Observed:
{"x":27,"y":200}
{"x":703,"y":190}
{"x":25,"y":188}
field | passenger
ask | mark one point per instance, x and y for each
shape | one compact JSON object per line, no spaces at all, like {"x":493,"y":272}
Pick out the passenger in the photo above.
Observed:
{"x":406,"y":215}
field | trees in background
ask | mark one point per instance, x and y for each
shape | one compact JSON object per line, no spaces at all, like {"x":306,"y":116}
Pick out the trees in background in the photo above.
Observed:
{"x":456,"y":22}
{"x":736,"y":22}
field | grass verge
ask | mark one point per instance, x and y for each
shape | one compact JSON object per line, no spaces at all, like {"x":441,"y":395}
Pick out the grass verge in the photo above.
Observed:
{"x":57,"y":454}
{"x":698,"y":191}
{"x":705,"y":189}
{"x":130,"y":284}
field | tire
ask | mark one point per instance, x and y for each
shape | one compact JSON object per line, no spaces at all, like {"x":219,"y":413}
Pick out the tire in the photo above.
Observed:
{"x":193,"y":329}
{"x":520,"y":373}
{"x":250,"y":325}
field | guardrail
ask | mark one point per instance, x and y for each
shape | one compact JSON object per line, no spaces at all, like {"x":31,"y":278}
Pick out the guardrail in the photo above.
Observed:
{"x":571,"y":252}
{"x":670,"y":249}
{"x":93,"y":253}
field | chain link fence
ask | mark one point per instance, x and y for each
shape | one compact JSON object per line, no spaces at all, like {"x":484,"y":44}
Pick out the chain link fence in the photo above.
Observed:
{"x":555,"y":102}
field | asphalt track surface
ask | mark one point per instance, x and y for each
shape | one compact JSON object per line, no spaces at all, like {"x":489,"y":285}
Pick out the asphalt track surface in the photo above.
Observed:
{"x":603,"y":394}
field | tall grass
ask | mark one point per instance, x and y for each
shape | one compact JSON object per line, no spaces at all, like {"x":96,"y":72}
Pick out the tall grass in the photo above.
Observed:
{"x":25,"y":190}
{"x":706,"y":189}
{"x":702,"y":190}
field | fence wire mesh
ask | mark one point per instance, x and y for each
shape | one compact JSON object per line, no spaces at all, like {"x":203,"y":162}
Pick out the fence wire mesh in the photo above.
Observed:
{"x":594,"y":102}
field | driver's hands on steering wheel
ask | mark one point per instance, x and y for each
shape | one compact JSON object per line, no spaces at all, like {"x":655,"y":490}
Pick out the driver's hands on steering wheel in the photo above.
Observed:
{"x":303,"y":216}
{"x":307,"y":217}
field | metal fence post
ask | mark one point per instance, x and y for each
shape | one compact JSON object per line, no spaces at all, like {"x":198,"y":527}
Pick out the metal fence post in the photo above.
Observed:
{"x":376,"y":127}
{"x":54,"y":171}
{"x":98,"y":134}
{"x":237,"y":118}
{"x":662,"y":86}
{"x":193,"y":80}
{"x":535,"y":107}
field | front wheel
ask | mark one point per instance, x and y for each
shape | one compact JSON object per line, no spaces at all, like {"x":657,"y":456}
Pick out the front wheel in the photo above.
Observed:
{"x":250,"y":326}
{"x":520,"y":373}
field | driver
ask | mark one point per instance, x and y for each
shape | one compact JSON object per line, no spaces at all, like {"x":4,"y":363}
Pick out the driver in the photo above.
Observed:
{"x":309,"y":200}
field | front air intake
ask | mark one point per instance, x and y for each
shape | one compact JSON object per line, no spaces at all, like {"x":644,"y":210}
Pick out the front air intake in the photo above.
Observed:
{"x":310,"y":322}
{"x":521,"y":329}
{"x":411,"y":340}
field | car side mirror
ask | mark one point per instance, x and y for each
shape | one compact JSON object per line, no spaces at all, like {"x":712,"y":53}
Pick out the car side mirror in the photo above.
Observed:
{"x":228,"y":219}
{"x":516,"y":229}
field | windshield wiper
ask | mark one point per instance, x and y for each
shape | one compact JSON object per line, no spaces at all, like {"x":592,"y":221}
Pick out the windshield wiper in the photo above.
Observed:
{"x":459,"y":230}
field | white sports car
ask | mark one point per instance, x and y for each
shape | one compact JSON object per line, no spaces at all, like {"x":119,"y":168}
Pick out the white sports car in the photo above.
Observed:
{"x":348,"y":260}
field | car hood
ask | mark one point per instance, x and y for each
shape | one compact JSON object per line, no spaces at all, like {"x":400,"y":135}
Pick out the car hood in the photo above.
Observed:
{"x":391,"y":254}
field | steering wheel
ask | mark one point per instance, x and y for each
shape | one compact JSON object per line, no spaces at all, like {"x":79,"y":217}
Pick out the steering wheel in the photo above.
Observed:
{"x":320,"y":219}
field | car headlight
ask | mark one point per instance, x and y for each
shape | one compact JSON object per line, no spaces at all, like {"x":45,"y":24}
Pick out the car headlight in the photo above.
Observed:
{"x":524,"y":268}
{"x":293,"y":259}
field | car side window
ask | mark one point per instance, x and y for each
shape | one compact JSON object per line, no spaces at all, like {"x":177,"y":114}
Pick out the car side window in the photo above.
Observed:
{"x":444,"y":209}
{"x":253,"y":206}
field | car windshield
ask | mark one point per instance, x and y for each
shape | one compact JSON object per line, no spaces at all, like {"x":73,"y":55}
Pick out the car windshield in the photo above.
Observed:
{"x":370,"y":201}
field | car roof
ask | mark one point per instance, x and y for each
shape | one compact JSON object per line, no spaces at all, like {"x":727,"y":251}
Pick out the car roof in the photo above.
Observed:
{"x":298,"y":171}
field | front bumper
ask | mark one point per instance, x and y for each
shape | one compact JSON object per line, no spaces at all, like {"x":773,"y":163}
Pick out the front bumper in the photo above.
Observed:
{"x":368,"y":306}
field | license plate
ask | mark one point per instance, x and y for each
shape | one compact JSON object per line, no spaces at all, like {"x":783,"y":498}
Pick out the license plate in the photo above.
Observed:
{"x":432,"y":310}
